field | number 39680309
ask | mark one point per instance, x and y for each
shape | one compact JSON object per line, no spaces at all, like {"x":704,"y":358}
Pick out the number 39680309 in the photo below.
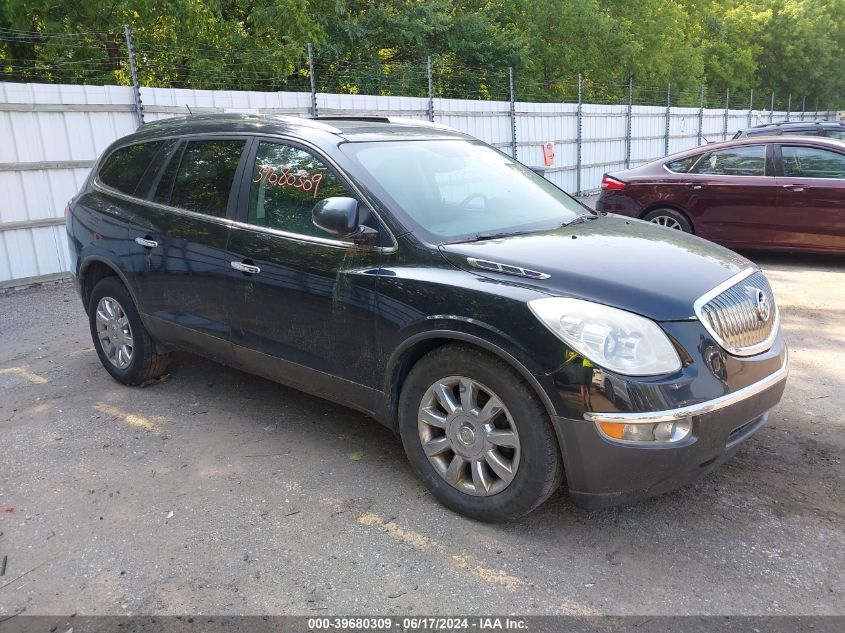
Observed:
{"x":287,"y":178}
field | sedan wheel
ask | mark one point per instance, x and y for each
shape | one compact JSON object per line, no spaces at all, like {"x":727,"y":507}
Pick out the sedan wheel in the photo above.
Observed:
{"x":469,"y":436}
{"x":670,"y":218}
{"x":114,"y":332}
{"x":668,"y":222}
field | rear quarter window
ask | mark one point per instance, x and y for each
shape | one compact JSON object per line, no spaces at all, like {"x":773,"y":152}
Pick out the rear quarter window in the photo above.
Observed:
{"x":125,"y":167}
{"x":682,"y":165}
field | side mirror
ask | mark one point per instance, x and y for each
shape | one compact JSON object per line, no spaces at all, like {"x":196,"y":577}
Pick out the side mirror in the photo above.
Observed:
{"x":339,"y":216}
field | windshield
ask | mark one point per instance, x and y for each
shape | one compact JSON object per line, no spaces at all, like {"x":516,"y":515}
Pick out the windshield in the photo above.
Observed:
{"x":453,"y":190}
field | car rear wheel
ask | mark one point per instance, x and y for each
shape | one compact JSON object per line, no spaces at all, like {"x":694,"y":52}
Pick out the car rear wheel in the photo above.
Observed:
{"x":477,"y":436}
{"x":669,"y":218}
{"x":125,"y":349}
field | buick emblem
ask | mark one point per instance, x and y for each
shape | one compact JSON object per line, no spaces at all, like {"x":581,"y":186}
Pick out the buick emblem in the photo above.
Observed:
{"x":761,"y":305}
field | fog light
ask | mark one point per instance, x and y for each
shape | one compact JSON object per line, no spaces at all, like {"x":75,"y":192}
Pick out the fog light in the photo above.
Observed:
{"x":658,"y":433}
{"x":638,"y":432}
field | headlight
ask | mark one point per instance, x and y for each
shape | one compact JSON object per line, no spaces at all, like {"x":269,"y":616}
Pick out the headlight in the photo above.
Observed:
{"x":611,"y":338}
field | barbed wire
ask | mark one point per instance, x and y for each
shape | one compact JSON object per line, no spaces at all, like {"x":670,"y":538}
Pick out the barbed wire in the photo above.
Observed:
{"x":102,"y":57}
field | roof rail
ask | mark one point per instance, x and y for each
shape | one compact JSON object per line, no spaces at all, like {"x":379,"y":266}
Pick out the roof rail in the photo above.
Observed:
{"x":352,"y":117}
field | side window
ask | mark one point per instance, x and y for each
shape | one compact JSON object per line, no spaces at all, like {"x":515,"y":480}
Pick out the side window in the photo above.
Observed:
{"x":125,"y":167}
{"x":682,"y":165}
{"x":204,"y":177}
{"x":286,"y":184}
{"x":749,"y":160}
{"x":833,"y":133}
{"x":811,"y":162}
{"x":165,"y":184}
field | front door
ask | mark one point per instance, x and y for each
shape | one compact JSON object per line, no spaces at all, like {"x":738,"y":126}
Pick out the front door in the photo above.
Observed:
{"x":303,"y":299}
{"x":733,"y":195}
{"x":811,"y":213}
{"x":182,"y":236}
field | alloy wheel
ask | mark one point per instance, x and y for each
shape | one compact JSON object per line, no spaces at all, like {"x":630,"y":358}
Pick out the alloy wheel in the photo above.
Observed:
{"x":114,"y":332}
{"x":668,"y":221}
{"x":468,"y":436}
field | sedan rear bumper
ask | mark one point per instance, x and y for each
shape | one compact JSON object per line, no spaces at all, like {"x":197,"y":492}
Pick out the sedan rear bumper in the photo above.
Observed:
{"x":602,"y":472}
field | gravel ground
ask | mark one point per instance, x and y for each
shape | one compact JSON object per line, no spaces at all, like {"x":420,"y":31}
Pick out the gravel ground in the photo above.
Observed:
{"x":215,"y":492}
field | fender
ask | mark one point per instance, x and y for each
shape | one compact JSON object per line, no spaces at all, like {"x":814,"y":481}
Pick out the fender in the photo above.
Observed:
{"x":87,"y":260}
{"x":395,"y":361}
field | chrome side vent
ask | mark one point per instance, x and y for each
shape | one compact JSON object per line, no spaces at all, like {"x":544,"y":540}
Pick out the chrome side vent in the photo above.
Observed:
{"x":505,"y":269}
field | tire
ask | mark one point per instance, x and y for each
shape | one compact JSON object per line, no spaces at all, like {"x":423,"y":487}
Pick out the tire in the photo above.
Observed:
{"x":125,"y":349}
{"x":535,"y":461}
{"x":670,"y":218}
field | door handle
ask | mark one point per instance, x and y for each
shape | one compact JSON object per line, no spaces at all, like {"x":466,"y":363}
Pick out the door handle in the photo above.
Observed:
{"x":249,"y":269}
{"x":145,"y":242}
{"x":796,"y":188}
{"x":695,"y":186}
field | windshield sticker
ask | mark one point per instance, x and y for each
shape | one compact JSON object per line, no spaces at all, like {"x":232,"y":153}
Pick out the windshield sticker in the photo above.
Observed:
{"x":299,"y":179}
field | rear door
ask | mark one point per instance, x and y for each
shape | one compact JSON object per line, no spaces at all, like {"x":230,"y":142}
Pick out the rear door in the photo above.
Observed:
{"x":811,"y":210}
{"x":733,"y":194}
{"x":305,"y":312}
{"x":179,"y":239}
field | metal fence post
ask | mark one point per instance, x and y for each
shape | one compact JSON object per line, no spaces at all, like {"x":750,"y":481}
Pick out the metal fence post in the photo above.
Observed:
{"x":727,"y":107}
{"x":772,"y":111}
{"x":701,"y":116}
{"x":750,"y":107}
{"x":668,"y":119}
{"x":788,"y":106}
{"x":313,"y":80}
{"x":430,"y":92}
{"x":803,"y":107}
{"x":513,"y":111}
{"x":133,"y":72}
{"x":628,"y":122}
{"x":578,"y":138}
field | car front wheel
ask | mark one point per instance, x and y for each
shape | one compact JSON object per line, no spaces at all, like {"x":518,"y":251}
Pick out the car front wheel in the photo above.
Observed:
{"x":125,"y":349}
{"x":477,"y":436}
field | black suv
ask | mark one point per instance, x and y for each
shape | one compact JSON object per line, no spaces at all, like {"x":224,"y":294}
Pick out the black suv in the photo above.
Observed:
{"x":508,"y":334}
{"x":829,"y":129}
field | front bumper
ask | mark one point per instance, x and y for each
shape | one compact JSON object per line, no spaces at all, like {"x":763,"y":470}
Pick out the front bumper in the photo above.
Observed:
{"x":602,"y":472}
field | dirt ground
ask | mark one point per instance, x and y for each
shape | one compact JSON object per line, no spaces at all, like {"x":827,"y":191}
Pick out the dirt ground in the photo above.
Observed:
{"x":215,"y":492}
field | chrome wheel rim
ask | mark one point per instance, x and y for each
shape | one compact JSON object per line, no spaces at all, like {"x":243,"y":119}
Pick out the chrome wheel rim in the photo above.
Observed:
{"x":114,"y":332}
{"x":469,"y":436}
{"x":668,"y":221}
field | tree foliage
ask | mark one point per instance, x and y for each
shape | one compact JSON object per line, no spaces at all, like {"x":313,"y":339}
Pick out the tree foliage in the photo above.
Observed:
{"x":783,"y":46}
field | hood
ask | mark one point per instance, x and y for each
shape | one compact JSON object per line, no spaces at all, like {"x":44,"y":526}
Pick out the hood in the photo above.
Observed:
{"x":621,"y":262}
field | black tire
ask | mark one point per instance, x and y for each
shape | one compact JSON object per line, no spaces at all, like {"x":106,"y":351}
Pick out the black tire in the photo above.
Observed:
{"x":669,"y":215}
{"x":145,"y":363}
{"x":540,"y":469}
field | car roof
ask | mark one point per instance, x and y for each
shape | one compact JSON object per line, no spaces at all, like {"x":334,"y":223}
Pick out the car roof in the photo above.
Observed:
{"x":809,"y":124}
{"x":346,"y":128}
{"x":757,"y":140}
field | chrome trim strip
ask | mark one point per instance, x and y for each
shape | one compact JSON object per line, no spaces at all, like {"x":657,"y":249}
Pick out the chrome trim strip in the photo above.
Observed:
{"x":693,"y":410}
{"x":736,"y":351}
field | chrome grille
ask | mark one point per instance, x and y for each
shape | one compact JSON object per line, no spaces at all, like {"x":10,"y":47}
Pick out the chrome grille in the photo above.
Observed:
{"x":741,"y":314}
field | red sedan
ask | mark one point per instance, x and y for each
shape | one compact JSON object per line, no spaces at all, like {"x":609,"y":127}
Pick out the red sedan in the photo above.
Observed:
{"x":784,"y":193}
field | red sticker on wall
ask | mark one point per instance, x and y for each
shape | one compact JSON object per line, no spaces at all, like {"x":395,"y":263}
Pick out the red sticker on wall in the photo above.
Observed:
{"x":549,"y":154}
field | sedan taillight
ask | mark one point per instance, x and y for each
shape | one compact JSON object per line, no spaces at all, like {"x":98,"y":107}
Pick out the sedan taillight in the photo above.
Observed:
{"x":611,"y":184}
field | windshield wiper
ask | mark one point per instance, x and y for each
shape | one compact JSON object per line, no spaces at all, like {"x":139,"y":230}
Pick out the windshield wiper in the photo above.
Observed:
{"x":492,"y":236}
{"x":584,"y":217}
